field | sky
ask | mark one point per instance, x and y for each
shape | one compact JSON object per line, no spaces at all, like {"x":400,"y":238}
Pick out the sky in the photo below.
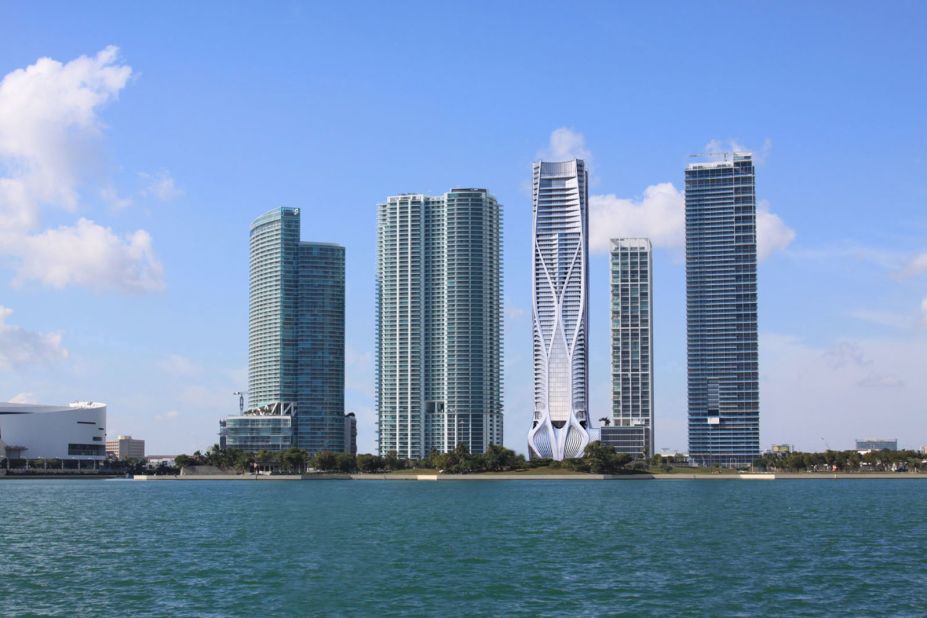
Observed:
{"x":139,"y":140}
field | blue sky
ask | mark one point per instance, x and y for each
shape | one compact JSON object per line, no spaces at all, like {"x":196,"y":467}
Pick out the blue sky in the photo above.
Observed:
{"x":135,"y":155}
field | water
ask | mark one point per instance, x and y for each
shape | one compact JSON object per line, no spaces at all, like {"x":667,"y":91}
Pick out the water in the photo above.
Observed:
{"x":118,"y":548}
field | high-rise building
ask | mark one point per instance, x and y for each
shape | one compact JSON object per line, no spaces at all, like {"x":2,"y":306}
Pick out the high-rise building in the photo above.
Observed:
{"x":439,"y":322}
{"x":721,"y":300}
{"x":631,"y":428}
{"x":559,"y":312}
{"x":295,"y":342}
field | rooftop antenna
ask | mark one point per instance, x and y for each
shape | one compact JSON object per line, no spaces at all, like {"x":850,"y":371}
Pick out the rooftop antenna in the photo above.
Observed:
{"x":241,"y":401}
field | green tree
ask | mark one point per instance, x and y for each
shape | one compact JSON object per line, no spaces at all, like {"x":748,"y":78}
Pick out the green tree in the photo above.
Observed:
{"x":326,"y":461}
{"x":345,"y":462}
{"x":392,"y":461}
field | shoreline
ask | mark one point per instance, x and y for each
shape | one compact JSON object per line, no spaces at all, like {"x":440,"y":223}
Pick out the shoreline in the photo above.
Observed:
{"x":867,"y":476}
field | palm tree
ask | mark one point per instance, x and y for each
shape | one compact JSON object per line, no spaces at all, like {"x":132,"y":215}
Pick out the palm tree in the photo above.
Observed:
{"x":605,"y":421}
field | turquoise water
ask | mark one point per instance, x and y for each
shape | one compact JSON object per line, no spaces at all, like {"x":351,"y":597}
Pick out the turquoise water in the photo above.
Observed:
{"x":117,"y":548}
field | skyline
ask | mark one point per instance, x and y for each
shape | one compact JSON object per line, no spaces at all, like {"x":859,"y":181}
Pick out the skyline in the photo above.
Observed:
{"x":155,"y":178}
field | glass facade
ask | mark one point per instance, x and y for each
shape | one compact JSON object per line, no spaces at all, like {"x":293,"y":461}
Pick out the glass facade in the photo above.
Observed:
{"x":295,"y":339}
{"x":255,"y":433}
{"x":559,"y":311}
{"x":439,"y":322}
{"x":632,"y":348}
{"x":721,"y":302}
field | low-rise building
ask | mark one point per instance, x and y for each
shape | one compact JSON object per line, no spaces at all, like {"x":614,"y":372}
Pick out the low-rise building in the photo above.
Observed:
{"x":257,"y":432}
{"x":154,"y":461}
{"x":877,"y":444}
{"x":125,"y":447}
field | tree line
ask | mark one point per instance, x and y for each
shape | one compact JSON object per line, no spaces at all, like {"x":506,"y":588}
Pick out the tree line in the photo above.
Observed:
{"x":598,"y":458}
{"x":843,"y":461}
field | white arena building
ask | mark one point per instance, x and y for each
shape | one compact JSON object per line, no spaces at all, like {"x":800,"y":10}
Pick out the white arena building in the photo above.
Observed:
{"x":73,"y":432}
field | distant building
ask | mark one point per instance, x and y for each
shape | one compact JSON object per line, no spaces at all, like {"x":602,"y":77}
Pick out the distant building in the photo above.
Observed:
{"x":295,"y":342}
{"x":125,"y":447}
{"x":439,"y":322}
{"x":721,"y":312}
{"x":350,"y":433}
{"x":561,"y":426}
{"x":877,"y":444}
{"x":631,"y":427}
{"x":73,"y":432}
{"x":153,"y":461}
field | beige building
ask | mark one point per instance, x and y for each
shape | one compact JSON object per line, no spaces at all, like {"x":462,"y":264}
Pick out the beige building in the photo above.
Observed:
{"x":125,"y":447}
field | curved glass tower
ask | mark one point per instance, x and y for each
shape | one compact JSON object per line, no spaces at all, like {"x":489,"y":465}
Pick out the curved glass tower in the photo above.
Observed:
{"x":295,"y":341}
{"x":559,"y":312}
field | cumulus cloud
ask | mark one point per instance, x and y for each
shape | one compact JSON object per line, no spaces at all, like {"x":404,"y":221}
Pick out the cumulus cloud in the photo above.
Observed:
{"x":20,"y":348}
{"x":89,"y":255}
{"x":23,"y":398}
{"x":160,"y":186}
{"x":48,"y":119}
{"x":50,"y":128}
{"x":659,"y":215}
{"x":566,"y":144}
{"x":772,"y":234}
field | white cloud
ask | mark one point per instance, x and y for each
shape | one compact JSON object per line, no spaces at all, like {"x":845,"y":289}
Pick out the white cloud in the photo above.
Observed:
{"x":179,"y":365}
{"x":23,"y":398}
{"x":48,"y":122}
{"x":866,"y":387}
{"x":160,"y":185}
{"x":50,"y":130}
{"x":716,"y":148}
{"x":20,"y":348}
{"x":168,"y":416}
{"x":112,"y":197}
{"x":660,"y":216}
{"x":772,"y":234}
{"x":917,"y":265}
{"x":566,"y":144}
{"x":89,"y":255}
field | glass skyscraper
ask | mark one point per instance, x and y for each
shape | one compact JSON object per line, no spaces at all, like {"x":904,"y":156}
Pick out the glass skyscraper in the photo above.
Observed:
{"x":721,"y":300}
{"x":559,"y":312}
{"x":439,"y":322}
{"x":631,"y":428}
{"x":295,"y":342}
